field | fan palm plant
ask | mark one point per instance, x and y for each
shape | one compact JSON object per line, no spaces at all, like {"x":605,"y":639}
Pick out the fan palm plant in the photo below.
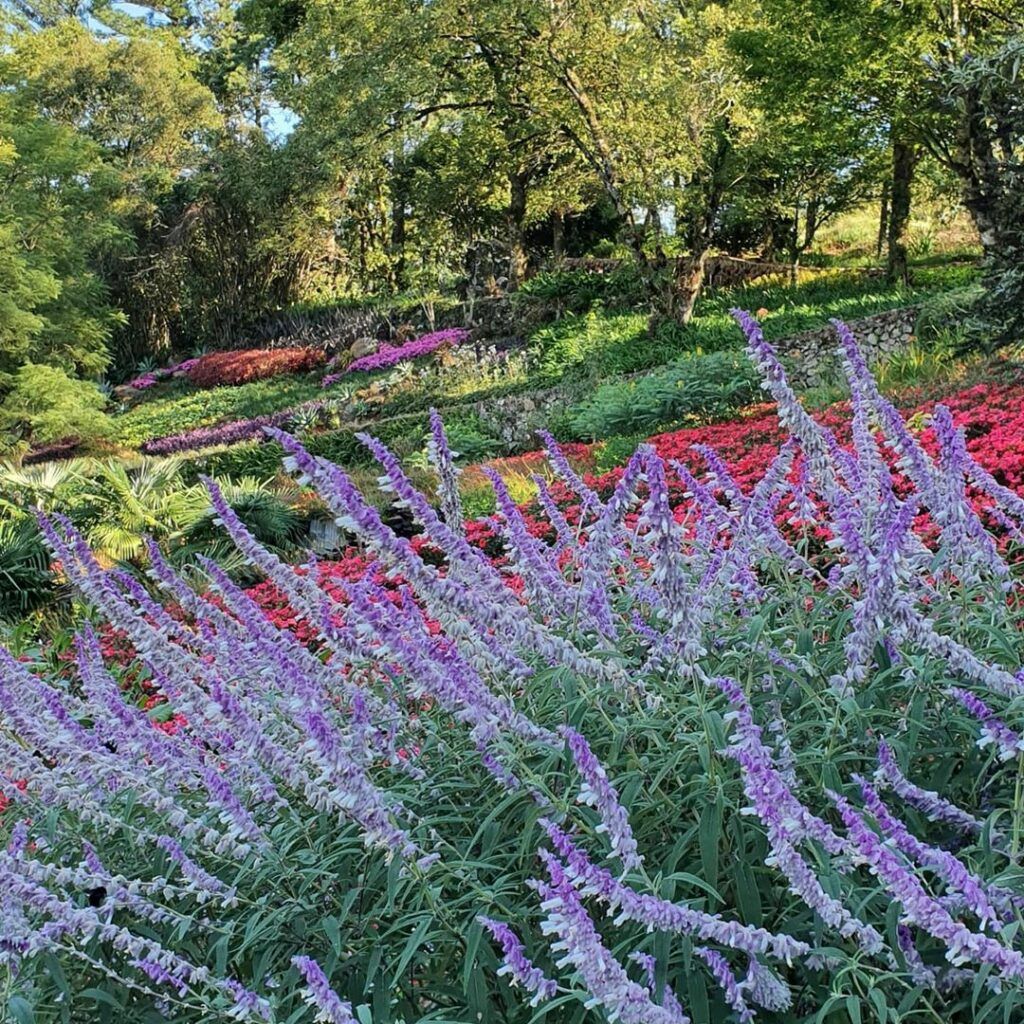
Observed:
{"x":47,"y":485}
{"x":271,"y":515}
{"x":121,"y":503}
{"x":25,"y":580}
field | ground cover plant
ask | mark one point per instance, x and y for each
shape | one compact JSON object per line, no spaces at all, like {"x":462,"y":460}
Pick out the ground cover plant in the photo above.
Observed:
{"x":387,"y":356}
{"x":240,"y":366}
{"x":753,"y":755}
{"x":178,"y":413}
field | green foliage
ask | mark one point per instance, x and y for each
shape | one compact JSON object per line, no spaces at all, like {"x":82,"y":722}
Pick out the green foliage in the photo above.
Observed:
{"x":705,"y":387}
{"x":262,"y":459}
{"x":117,"y":504}
{"x":577,"y":290}
{"x":176,"y":413}
{"x":471,"y":439}
{"x":45,"y":404}
{"x":598,"y":344}
{"x":56,"y":217}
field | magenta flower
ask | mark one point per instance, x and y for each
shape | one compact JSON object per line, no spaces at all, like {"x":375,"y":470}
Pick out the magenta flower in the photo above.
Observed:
{"x":389,"y":355}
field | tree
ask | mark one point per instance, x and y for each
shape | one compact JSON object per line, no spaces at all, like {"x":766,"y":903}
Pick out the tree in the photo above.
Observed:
{"x":56,"y":217}
{"x":391,"y":89}
{"x":44,"y":404}
{"x":821,"y":145}
{"x":984,"y":97}
{"x":652,"y":98}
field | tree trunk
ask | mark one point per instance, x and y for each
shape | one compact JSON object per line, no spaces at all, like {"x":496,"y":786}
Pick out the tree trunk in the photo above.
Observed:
{"x":687,"y":285}
{"x":883,"y":221}
{"x":810,"y":224}
{"x":558,"y":234}
{"x":904,"y":160}
{"x":516,"y":230}
{"x":398,"y":240}
{"x":980,"y":173}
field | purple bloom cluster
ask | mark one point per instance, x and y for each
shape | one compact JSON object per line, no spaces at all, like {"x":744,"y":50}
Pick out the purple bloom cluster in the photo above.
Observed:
{"x":601,"y":794}
{"x":517,"y":964}
{"x":221,"y":433}
{"x":921,"y":909}
{"x":579,"y":946}
{"x":1008,"y":744}
{"x":319,"y":994}
{"x":389,"y":355}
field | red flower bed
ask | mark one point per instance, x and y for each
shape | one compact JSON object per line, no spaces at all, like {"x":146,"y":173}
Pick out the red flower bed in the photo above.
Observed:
{"x":245,"y":365}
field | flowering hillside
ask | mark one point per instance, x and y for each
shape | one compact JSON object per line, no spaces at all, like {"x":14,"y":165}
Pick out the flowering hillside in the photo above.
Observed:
{"x":717,"y":737}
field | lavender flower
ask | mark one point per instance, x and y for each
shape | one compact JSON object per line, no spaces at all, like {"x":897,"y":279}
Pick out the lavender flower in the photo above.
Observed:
{"x":928,"y":802}
{"x":662,"y":915}
{"x":731,"y":989}
{"x":580,"y":946}
{"x":599,"y":793}
{"x":517,"y":964}
{"x":962,"y":944}
{"x":318,"y":993}
{"x":1008,"y":744}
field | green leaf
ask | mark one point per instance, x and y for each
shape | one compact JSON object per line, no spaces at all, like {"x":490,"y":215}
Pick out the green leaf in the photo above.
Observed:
{"x":708,"y":836}
{"x":853,"y":1009}
{"x":20,"y":1010}
{"x":413,"y":944}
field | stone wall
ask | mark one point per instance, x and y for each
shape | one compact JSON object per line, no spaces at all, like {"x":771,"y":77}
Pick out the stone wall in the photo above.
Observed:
{"x":516,"y":418}
{"x":811,"y":358}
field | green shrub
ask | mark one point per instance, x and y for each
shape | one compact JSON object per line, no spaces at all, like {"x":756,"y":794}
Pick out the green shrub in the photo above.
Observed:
{"x":708,"y":387}
{"x":577,"y":290}
{"x":470,"y":438}
{"x":45,"y":404}
{"x":597,"y":345}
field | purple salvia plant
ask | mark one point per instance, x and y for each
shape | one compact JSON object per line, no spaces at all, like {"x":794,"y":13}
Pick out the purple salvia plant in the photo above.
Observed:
{"x":598,"y":792}
{"x":517,"y":965}
{"x":318,"y":994}
{"x":579,"y":946}
{"x":442,"y":458}
{"x":923,"y":910}
{"x":732,"y":990}
{"x":668,"y":998}
{"x":1008,"y":743}
{"x":987,"y":903}
{"x":663,"y":915}
{"x":928,"y":802}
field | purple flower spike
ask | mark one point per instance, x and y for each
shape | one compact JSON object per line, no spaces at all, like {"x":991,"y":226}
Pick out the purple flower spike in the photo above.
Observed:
{"x":517,"y":964}
{"x":599,"y":793}
{"x":318,"y":993}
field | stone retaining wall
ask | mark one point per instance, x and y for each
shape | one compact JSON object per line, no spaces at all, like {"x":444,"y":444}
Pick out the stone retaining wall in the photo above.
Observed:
{"x":517,"y":417}
{"x":811,"y":358}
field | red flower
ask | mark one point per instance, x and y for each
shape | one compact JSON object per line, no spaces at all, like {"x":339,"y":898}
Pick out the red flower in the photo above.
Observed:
{"x":244,"y":365}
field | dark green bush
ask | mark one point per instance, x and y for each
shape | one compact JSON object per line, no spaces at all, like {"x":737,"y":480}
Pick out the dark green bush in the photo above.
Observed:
{"x":708,"y":387}
{"x":578,"y":290}
{"x":599,"y":344}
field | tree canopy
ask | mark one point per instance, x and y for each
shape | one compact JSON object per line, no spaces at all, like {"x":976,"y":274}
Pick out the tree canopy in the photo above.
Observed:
{"x":175,"y":171}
